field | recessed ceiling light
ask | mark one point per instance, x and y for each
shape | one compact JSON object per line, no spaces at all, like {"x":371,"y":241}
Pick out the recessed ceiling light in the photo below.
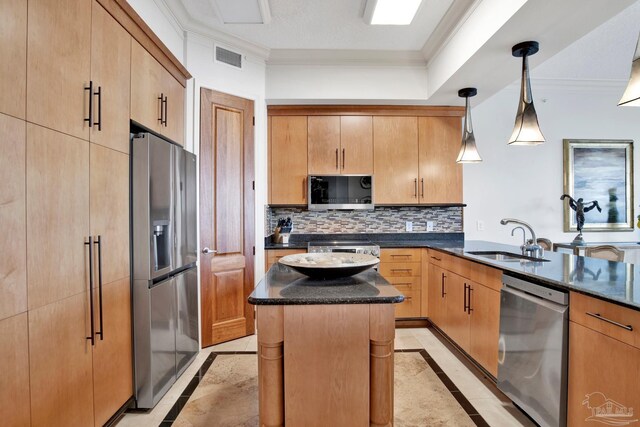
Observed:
{"x":391,"y":12}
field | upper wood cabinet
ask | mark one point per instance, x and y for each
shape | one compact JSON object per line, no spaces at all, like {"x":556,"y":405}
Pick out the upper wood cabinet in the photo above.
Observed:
{"x":13,"y":57}
{"x":157,"y":98}
{"x":440,"y":175}
{"x":111,"y":77}
{"x":288,"y":156}
{"x":340,"y":145}
{"x":395,"y":145}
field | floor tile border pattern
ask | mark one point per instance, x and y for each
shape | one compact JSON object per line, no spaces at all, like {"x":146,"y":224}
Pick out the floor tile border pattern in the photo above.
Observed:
{"x":451,"y":387}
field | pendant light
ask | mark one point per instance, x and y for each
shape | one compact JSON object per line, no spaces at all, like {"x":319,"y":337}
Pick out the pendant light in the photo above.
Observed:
{"x":631,"y":95}
{"x":468,"y":150}
{"x":526,"y":130}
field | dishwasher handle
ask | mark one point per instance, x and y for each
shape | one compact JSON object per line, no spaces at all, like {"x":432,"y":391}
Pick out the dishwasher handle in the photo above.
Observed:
{"x":559,"y":308}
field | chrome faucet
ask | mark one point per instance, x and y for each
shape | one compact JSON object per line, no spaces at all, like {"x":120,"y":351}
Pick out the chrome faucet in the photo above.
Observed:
{"x":530,"y":247}
{"x":524,"y":235}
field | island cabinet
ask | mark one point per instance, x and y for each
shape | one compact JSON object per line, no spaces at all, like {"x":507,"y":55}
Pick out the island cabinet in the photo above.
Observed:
{"x":464,"y":302}
{"x":403,"y":269}
{"x":604,"y":362}
{"x":340,"y":145}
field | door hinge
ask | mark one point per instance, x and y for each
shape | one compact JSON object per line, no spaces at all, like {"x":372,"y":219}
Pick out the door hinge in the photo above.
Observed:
{"x":254,"y":250}
{"x":254,"y":120}
{"x":253,"y":185}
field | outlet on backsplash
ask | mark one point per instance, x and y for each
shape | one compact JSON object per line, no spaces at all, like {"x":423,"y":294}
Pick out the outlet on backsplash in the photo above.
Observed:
{"x":429,"y":225}
{"x":408,"y":226}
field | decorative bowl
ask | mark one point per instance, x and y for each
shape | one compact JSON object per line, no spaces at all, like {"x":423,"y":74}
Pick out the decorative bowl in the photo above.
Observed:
{"x":329,"y":265}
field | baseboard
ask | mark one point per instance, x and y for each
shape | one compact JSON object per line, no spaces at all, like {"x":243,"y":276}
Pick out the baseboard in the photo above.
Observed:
{"x":120,"y":413}
{"x":421,"y":322}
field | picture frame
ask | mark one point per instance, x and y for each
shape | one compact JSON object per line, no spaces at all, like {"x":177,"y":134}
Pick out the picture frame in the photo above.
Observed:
{"x":600,"y":170}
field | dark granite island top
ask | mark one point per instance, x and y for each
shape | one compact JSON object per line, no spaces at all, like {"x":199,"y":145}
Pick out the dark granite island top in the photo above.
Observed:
{"x":608,"y":280}
{"x":284,"y":286}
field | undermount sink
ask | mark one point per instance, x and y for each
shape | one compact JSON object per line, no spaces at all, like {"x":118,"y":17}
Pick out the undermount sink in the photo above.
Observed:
{"x":505,"y":256}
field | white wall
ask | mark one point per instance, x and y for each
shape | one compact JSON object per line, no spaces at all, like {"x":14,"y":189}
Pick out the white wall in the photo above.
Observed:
{"x":527,"y":182}
{"x":163,"y":24}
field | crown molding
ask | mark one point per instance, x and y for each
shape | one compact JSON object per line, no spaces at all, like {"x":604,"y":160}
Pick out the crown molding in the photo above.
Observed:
{"x":194,"y":25}
{"x":344,"y":57}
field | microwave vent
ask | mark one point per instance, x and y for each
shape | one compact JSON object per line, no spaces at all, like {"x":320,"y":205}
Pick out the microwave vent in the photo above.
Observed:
{"x":228,"y":57}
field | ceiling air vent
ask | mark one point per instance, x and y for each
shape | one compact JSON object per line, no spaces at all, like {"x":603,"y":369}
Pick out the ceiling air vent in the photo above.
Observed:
{"x":228,"y":57}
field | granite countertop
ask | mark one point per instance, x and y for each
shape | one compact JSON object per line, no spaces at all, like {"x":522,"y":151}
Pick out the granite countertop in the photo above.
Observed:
{"x":284,"y":286}
{"x":384,"y":240}
{"x":608,"y":280}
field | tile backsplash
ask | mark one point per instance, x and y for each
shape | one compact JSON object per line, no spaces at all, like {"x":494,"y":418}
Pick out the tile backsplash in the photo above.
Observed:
{"x":380,"y":220}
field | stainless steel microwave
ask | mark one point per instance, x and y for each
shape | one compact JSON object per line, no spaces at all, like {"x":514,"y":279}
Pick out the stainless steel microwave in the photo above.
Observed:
{"x":340,"y":192}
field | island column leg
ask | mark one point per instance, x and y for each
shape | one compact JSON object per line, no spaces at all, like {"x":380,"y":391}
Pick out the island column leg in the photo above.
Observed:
{"x":381,"y":336}
{"x":271,"y":365}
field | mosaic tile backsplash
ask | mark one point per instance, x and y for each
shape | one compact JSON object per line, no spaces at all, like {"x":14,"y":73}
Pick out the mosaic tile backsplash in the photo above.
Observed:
{"x":379,"y":220}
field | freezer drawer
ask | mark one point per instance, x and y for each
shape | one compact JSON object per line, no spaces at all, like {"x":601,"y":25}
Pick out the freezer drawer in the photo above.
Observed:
{"x":187,"y":327}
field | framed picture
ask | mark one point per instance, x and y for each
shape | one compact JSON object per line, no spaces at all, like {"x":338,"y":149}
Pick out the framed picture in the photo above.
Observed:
{"x":599,"y":170}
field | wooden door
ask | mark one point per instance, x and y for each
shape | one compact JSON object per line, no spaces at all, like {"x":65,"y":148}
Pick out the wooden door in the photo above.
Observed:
{"x":440,"y":175}
{"x":288,"y":169}
{"x":13,"y":57}
{"x":146,"y":88}
{"x":60,"y":361}
{"x":57,"y":214}
{"x":485,"y":326}
{"x":226,"y":216}
{"x":13,"y":241}
{"x":323,"y":145}
{"x":59,"y":65}
{"x":457,"y":319}
{"x":356,"y":143}
{"x":174,"y":91}
{"x":112,"y":354}
{"x":601,"y":370}
{"x":395,"y":160}
{"x":14,"y":365}
{"x":111,"y":74}
{"x":437,"y":294}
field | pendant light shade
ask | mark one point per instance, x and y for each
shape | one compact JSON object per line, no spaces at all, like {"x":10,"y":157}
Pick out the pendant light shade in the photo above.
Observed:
{"x":526,"y":130}
{"x":631,"y":95}
{"x":468,"y":150}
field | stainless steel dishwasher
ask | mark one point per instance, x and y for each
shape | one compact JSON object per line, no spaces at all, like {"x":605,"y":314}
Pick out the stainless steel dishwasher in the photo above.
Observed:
{"x":532,"y":349}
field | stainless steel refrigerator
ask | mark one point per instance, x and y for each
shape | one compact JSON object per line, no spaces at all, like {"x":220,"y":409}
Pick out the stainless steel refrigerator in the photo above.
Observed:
{"x":165,"y":277}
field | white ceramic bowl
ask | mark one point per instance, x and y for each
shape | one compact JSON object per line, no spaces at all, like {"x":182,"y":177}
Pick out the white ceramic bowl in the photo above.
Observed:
{"x":329,"y":265}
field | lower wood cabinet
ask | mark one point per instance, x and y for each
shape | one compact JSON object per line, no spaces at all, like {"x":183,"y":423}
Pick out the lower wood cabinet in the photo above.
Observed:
{"x":272,"y":256}
{"x":435,"y":289}
{"x":484,"y":322}
{"x":457,"y":323}
{"x":603,"y":379}
{"x":14,"y":366}
{"x":403,"y":269}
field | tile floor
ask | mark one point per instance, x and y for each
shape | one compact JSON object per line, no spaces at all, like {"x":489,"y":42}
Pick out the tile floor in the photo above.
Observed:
{"x":494,"y":407}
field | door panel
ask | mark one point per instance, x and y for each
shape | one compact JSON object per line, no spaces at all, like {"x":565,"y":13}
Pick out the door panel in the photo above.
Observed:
{"x":395,"y":144}
{"x":109,"y":210}
{"x":288,"y":160}
{"x":229,"y":191}
{"x":146,"y":83}
{"x":356,"y":140}
{"x":14,"y":365}
{"x":112,"y":366}
{"x":13,"y":243}
{"x":64,"y":377}
{"x":440,"y":175}
{"x":13,"y":57}
{"x":163,"y":337}
{"x":174,"y":92}
{"x":57,"y":215}
{"x":111,"y":71}
{"x":323,"y":144}
{"x":457,"y":318}
{"x":48,"y":86}
{"x":226,"y":216}
{"x":485,"y":326}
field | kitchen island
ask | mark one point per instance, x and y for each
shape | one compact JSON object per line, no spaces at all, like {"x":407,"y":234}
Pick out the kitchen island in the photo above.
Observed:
{"x":325,"y":349}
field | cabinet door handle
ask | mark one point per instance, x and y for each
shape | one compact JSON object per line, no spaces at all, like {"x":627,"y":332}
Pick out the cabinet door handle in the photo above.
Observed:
{"x":401,"y":269}
{"x":407,"y":298}
{"x":161,"y":99}
{"x":99,"y":95}
{"x":464,"y":298}
{"x":166,"y":116}
{"x":98,"y":242}
{"x":469,"y":309}
{"x":403,"y":284}
{"x":90,"y":89}
{"x":422,"y":185}
{"x":415,"y":188}
{"x":613,"y":322}
{"x":343,"y":157}
{"x":436,"y":258}
{"x":401,"y":255}
{"x":304,"y":188}
{"x":93,"y":329}
{"x":336,"y":159}
{"x":443,"y":292}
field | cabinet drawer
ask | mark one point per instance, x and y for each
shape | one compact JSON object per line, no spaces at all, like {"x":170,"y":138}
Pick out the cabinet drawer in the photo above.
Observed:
{"x":274,"y":255}
{"x":400,"y":269}
{"x":410,"y":307}
{"x":599,"y":315}
{"x":488,"y":276}
{"x":405,"y":284}
{"x":400,"y":255}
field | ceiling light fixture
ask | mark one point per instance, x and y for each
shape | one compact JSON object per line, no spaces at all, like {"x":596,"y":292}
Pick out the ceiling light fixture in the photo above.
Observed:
{"x":631,"y":95}
{"x":391,"y":12}
{"x":468,"y":150}
{"x":527,"y":129}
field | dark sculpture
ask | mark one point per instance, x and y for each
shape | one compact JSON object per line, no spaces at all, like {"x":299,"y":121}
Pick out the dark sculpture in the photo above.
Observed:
{"x":581,"y":208}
